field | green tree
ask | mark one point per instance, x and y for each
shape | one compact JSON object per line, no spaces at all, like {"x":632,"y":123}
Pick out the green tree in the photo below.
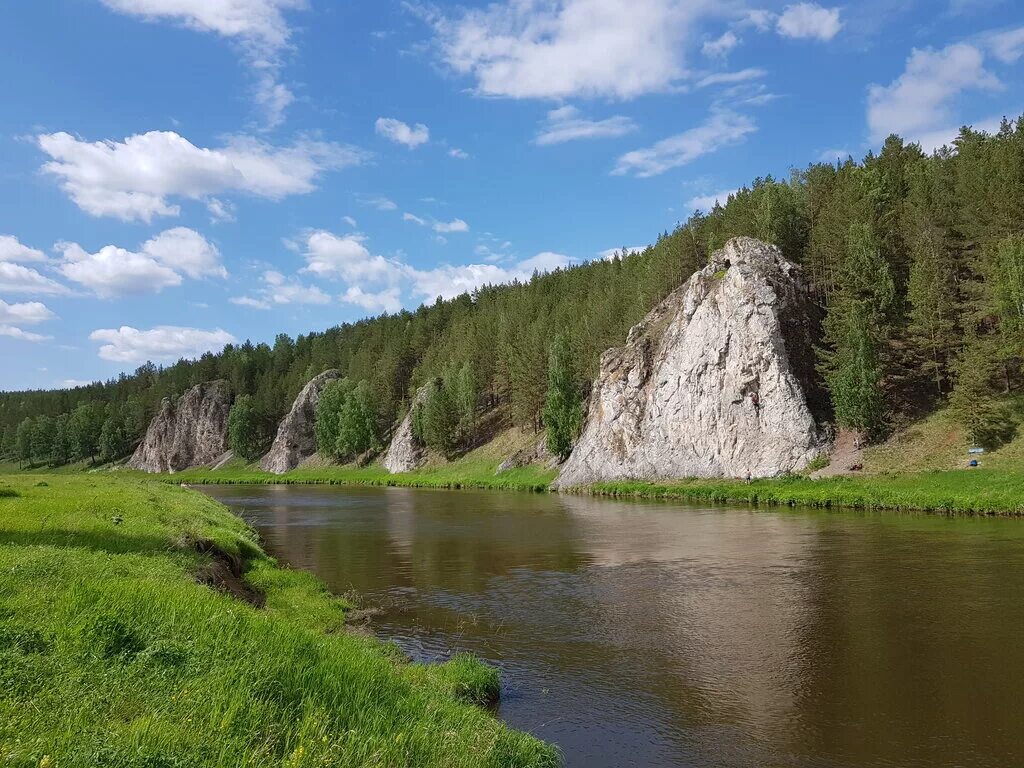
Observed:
{"x":247,"y":431}
{"x":44,"y":430}
{"x":327,"y":426}
{"x":86,"y":424}
{"x":436,"y":420}
{"x":974,"y":402}
{"x":23,"y":440}
{"x":114,"y":443}
{"x":63,"y":449}
{"x":357,"y":423}
{"x":563,"y":408}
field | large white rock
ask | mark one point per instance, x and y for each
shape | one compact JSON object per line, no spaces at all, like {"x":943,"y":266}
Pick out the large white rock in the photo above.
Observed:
{"x":405,"y":452}
{"x":191,"y":433}
{"x":295,"y":439}
{"x":718,"y":380}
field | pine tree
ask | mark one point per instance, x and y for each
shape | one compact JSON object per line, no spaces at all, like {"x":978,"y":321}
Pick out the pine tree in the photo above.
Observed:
{"x":23,"y":441}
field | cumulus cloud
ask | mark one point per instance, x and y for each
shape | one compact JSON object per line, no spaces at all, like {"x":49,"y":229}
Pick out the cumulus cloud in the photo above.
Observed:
{"x":414,"y":219}
{"x":447,"y":227}
{"x":458,"y":154}
{"x":15,"y":278}
{"x":919,"y":102}
{"x":389,"y":300}
{"x":809,"y":20}
{"x":723,"y":128}
{"x":28,"y":313}
{"x":257,"y":26}
{"x":135,"y":179}
{"x":720,"y":46}
{"x":731,"y":78}
{"x":571,"y":48}
{"x":410,"y":136}
{"x":282,"y":290}
{"x":379,"y":202}
{"x":12,"y":250}
{"x":567,"y":124}
{"x":13,"y":316}
{"x":610,"y":253}
{"x":160,"y":262}
{"x":162,"y":343}
{"x":250,"y":301}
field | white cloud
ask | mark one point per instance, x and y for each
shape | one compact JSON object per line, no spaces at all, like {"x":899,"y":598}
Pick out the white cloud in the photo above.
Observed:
{"x":350,"y":221}
{"x":258,"y":26}
{"x":809,"y":20}
{"x":720,"y":46}
{"x":162,"y":343}
{"x":932,"y":140}
{"x":447,"y":227}
{"x":410,"y":136}
{"x":74,"y":383}
{"x":28,"y":313}
{"x":347,"y":257}
{"x":919,"y":102}
{"x":1007,"y":46}
{"x":249,"y":301}
{"x":17,"y":333}
{"x":832,"y":155}
{"x":12,"y":250}
{"x":186,"y":251}
{"x":15,"y":278}
{"x":388,"y":300}
{"x":159,"y":263}
{"x":731,"y":78}
{"x":545,"y":261}
{"x":220,"y":210}
{"x":380,"y":203}
{"x":134,"y":179}
{"x":721,"y":129}
{"x":414,"y":219}
{"x":458,"y":154}
{"x":571,"y":48}
{"x":566,"y":124}
{"x":707,"y":202}
{"x":282,"y":290}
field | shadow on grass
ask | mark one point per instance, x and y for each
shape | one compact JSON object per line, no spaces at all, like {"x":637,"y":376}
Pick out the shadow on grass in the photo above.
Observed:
{"x":114,"y":543}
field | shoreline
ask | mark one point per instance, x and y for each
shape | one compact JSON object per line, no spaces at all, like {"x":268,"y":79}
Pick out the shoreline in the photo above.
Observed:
{"x":979,"y":492}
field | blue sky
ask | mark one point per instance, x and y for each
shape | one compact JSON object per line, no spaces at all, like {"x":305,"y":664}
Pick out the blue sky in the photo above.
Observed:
{"x":176,"y":174}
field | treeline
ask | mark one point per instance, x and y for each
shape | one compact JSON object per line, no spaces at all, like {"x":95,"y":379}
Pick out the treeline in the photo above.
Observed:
{"x":918,"y":259}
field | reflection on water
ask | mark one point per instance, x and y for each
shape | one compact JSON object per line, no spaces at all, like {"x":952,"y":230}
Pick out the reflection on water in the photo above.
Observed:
{"x":664,"y":635}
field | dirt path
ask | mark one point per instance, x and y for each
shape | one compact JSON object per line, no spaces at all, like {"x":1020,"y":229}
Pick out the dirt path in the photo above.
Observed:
{"x":844,"y":457}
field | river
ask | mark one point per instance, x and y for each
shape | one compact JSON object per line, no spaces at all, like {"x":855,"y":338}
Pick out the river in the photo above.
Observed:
{"x":656,"y":634}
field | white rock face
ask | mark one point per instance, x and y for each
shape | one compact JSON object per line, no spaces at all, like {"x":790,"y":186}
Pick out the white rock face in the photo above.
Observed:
{"x":295,"y":439}
{"x":191,"y":433}
{"x":717,"y":381}
{"x":405,"y":453}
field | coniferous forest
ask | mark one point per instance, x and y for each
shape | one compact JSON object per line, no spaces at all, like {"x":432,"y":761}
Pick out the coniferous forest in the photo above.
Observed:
{"x":918,"y":260}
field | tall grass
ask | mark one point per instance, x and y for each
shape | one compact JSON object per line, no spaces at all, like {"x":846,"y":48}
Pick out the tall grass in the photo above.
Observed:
{"x":111,"y":652}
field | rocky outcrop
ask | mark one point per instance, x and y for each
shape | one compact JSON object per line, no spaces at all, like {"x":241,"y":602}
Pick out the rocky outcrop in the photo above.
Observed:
{"x":190,"y":433}
{"x":295,"y":440}
{"x":405,"y":452}
{"x":717,"y":381}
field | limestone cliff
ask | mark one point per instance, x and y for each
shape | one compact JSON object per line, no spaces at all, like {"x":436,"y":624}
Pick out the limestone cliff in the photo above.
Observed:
{"x":718,"y":380}
{"x":190,"y":433}
{"x":295,"y":440}
{"x":405,"y":452}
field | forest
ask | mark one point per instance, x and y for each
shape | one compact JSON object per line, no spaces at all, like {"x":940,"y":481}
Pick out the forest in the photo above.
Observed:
{"x":918,"y":260}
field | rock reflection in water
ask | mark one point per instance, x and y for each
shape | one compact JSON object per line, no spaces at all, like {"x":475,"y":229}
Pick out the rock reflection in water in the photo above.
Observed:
{"x":663,"y":635}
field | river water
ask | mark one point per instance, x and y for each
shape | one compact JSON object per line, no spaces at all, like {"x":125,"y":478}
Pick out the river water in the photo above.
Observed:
{"x":653,"y":634}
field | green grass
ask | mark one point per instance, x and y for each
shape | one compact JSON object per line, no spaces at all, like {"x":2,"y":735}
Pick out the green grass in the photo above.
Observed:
{"x":981,"y":491}
{"x":112,"y":653}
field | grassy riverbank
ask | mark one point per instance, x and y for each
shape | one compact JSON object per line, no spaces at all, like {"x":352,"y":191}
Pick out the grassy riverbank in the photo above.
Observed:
{"x":141,"y":624}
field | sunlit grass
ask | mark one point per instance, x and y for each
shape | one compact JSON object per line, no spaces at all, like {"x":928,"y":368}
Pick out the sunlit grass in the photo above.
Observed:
{"x":112,"y":654}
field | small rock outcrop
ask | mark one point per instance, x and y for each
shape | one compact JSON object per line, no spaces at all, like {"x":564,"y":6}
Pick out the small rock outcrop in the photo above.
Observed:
{"x":717,"y":381}
{"x":405,"y":452}
{"x":295,"y":439}
{"x":190,"y":433}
